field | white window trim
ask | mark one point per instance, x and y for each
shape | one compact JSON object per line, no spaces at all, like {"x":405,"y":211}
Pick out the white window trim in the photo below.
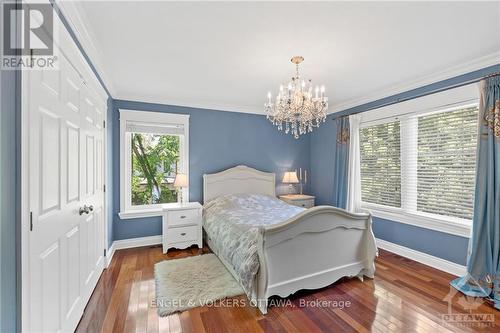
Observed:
{"x":127,"y":211}
{"x":446,"y":224}
{"x":461,"y":96}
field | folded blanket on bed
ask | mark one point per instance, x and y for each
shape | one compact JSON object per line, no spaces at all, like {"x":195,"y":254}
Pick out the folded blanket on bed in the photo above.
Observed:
{"x":234,"y":222}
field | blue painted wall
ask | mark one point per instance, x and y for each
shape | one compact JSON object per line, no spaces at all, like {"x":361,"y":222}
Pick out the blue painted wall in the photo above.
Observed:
{"x":439,"y":244}
{"x":253,"y":142}
{"x":9,"y":98}
{"x":217,"y":140}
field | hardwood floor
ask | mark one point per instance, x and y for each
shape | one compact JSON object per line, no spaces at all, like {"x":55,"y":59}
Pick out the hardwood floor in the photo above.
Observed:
{"x":404,"y":296}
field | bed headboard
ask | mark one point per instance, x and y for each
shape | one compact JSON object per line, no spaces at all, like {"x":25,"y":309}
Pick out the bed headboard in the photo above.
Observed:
{"x":240,"y":179}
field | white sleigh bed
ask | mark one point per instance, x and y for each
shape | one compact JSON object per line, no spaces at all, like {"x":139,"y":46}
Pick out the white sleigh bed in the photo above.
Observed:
{"x":310,"y":250}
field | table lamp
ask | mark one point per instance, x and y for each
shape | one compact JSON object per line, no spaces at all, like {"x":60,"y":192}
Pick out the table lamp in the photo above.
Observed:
{"x":290,"y":177}
{"x":181,"y":181}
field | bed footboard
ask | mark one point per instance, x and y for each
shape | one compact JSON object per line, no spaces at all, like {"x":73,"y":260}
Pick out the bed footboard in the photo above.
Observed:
{"x":313,"y":250}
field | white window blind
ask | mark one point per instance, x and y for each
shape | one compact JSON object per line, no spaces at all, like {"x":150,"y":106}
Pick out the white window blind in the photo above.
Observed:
{"x":154,"y":128}
{"x":423,"y":163}
{"x":446,"y":162}
{"x":380,"y":150}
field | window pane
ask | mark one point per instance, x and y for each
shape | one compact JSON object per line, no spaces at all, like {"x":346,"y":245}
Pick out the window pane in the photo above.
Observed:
{"x":154,"y":166}
{"x":381,"y":164}
{"x":446,"y":162}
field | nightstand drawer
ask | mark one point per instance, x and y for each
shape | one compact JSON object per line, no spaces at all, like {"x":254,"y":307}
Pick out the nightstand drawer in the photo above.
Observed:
{"x":308,"y":203}
{"x":182,"y":225}
{"x":182,"y":234}
{"x":182,"y":217}
{"x":300,"y":200}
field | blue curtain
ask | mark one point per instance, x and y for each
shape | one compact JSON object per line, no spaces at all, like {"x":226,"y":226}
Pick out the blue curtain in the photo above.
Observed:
{"x":483,"y":263}
{"x":341,"y":167}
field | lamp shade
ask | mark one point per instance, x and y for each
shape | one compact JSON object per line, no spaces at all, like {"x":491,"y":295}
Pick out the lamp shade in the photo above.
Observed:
{"x":290,"y":177}
{"x":181,"y":180}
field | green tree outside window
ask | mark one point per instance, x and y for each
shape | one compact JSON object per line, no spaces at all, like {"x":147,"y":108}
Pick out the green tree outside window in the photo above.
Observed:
{"x":154,"y":166}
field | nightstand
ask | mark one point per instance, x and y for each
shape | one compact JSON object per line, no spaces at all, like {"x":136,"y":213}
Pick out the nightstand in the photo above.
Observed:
{"x":300,"y":200}
{"x":182,"y":226}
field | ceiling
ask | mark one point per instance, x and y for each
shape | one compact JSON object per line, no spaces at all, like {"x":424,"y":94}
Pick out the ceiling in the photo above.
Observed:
{"x":227,"y":56}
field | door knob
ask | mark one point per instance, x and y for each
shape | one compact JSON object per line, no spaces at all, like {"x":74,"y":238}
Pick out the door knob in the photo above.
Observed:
{"x":85,"y":209}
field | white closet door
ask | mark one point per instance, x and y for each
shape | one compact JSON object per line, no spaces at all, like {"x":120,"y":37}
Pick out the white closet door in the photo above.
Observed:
{"x":92,"y":236}
{"x":66,"y":173}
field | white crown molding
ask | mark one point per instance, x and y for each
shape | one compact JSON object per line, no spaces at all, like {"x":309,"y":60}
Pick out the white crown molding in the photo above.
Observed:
{"x":467,"y":67}
{"x":198,"y":105}
{"x":470,"y":66}
{"x":424,"y":258}
{"x":75,"y":15}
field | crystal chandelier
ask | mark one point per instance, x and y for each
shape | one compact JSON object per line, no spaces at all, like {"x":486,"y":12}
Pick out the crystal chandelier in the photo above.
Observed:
{"x":296,"y":108}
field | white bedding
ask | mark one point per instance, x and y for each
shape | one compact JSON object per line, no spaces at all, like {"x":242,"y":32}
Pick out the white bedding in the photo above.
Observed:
{"x":234,"y":223}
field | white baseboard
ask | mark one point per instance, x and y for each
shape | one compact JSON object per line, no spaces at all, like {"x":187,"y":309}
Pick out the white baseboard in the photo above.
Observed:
{"x":130,"y":243}
{"x":424,"y":258}
{"x":109,"y":254}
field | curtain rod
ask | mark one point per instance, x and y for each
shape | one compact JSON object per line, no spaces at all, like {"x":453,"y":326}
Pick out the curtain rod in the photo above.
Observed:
{"x":399,"y":100}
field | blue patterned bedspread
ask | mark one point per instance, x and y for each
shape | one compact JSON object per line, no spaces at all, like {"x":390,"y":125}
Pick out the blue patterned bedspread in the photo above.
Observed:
{"x":233,"y":224}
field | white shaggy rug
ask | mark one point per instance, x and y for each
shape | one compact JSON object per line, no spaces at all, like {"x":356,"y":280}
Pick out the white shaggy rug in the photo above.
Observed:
{"x":190,"y":282}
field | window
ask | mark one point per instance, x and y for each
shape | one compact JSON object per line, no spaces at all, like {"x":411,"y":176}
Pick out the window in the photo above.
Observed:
{"x":447,"y":162}
{"x":154,"y":165}
{"x":417,"y":161}
{"x":381,"y":164}
{"x":438,"y":154}
{"x":154,"y":148}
